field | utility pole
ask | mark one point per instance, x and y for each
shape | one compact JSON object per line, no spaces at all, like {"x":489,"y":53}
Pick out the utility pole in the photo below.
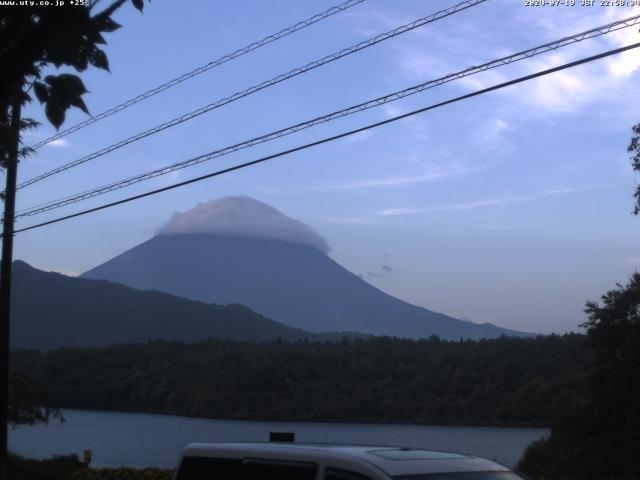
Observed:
{"x":5,"y":277}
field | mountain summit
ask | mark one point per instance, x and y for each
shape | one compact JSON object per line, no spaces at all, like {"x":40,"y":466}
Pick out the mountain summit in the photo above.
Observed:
{"x":243,"y":217}
{"x":239,"y":250}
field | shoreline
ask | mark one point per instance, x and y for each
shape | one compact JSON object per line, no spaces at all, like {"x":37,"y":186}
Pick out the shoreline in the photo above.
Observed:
{"x":311,"y":422}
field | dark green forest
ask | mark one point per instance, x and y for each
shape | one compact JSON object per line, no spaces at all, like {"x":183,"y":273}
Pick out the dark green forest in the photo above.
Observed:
{"x":600,"y":436}
{"x":502,"y":382}
{"x":71,"y":468}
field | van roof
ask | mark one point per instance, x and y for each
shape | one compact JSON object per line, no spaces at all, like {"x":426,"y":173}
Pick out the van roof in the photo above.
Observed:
{"x":393,"y":461}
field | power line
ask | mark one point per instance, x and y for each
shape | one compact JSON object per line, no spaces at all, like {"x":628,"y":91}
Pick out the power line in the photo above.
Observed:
{"x":212,"y":64}
{"x":37,"y":209}
{"x":256,"y":88}
{"x":336,"y":137}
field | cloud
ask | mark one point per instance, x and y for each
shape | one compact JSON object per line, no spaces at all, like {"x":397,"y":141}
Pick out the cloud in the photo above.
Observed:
{"x":490,"y":135}
{"x":382,"y":273}
{"x":399,"y":181}
{"x":562,"y":92}
{"x":388,"y":181}
{"x":628,"y":62}
{"x":60,"y":143}
{"x":351,"y":220}
{"x":415,"y":124}
{"x":246,"y":217}
{"x":499,"y":226}
{"x":372,"y":21}
{"x":173,"y":174}
{"x":504,"y":200}
{"x":570,"y":90}
{"x":34,"y":136}
{"x":360,"y":136}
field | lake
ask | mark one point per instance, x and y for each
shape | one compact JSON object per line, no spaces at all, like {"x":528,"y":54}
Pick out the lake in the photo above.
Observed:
{"x":139,"y":440}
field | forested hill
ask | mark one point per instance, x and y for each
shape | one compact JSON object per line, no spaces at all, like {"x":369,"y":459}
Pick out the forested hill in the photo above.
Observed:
{"x":51,"y":310}
{"x":507,"y":381}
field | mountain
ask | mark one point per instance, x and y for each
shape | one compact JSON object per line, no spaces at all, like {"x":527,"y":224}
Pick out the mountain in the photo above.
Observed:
{"x":51,"y":310}
{"x":239,"y":250}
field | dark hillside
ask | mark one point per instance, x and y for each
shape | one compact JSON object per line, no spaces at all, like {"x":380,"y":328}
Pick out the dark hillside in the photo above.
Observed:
{"x":51,"y":310}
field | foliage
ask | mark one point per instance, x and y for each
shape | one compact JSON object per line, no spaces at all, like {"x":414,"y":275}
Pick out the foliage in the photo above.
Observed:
{"x":601,"y":438}
{"x":32,"y":39}
{"x":57,"y":468}
{"x":70,"y":468}
{"x":28,"y":402}
{"x":634,"y":150}
{"x":506,"y":381}
{"x":122,"y":474}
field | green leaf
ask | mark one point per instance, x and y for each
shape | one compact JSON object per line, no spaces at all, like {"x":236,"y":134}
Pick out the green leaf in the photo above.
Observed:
{"x":97,"y":38}
{"x":41,"y":91}
{"x":98,"y":59}
{"x":24,"y":97}
{"x":65,"y":86}
{"x":105,"y":24}
{"x":28,"y":124}
{"x":65,"y":91}
{"x":55,"y":113}
{"x":80,"y":62}
{"x":78,"y":102}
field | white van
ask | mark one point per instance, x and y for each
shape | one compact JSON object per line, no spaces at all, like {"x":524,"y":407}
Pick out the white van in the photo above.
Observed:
{"x":300,"y":461}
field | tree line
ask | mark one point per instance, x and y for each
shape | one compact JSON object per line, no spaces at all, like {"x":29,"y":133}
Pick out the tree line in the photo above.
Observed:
{"x":502,"y":382}
{"x":599,"y":438}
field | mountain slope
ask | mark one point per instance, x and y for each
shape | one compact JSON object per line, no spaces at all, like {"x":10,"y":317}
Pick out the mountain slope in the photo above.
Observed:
{"x":51,"y":310}
{"x":292,"y":283}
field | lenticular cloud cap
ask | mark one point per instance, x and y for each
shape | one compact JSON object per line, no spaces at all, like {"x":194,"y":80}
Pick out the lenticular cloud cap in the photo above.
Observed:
{"x":243,"y":216}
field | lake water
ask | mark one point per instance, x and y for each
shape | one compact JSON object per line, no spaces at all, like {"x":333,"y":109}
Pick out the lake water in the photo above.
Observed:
{"x":139,"y":440}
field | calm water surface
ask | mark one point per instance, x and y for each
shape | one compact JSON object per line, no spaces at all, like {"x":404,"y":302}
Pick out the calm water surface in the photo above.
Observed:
{"x":139,"y":440}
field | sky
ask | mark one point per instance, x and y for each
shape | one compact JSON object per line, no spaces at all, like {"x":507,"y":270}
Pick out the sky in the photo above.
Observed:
{"x":514,"y":207}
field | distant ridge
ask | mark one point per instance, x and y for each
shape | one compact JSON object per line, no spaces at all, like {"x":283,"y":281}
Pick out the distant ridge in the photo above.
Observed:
{"x":51,"y":310}
{"x":228,"y":251}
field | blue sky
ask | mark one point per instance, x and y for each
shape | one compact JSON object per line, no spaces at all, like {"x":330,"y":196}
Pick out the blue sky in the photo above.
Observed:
{"x":512,"y":208}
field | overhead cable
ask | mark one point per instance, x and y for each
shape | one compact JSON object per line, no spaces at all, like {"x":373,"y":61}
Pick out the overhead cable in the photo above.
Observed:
{"x":334,"y":137}
{"x":51,"y":205}
{"x":261,"y":86}
{"x":204,"y":68}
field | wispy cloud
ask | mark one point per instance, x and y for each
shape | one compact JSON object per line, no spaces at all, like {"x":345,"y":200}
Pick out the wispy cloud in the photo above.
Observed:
{"x":491,"y":135}
{"x":504,"y":200}
{"x":388,"y":181}
{"x":561,"y":92}
{"x":360,"y":136}
{"x":172,"y":175}
{"x":60,"y":143}
{"x":371,"y":21}
{"x":416,"y":125}
{"x":400,"y":181}
{"x":33,"y":136}
{"x":499,"y":226}
{"x":571,"y":90}
{"x":353,"y":220}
